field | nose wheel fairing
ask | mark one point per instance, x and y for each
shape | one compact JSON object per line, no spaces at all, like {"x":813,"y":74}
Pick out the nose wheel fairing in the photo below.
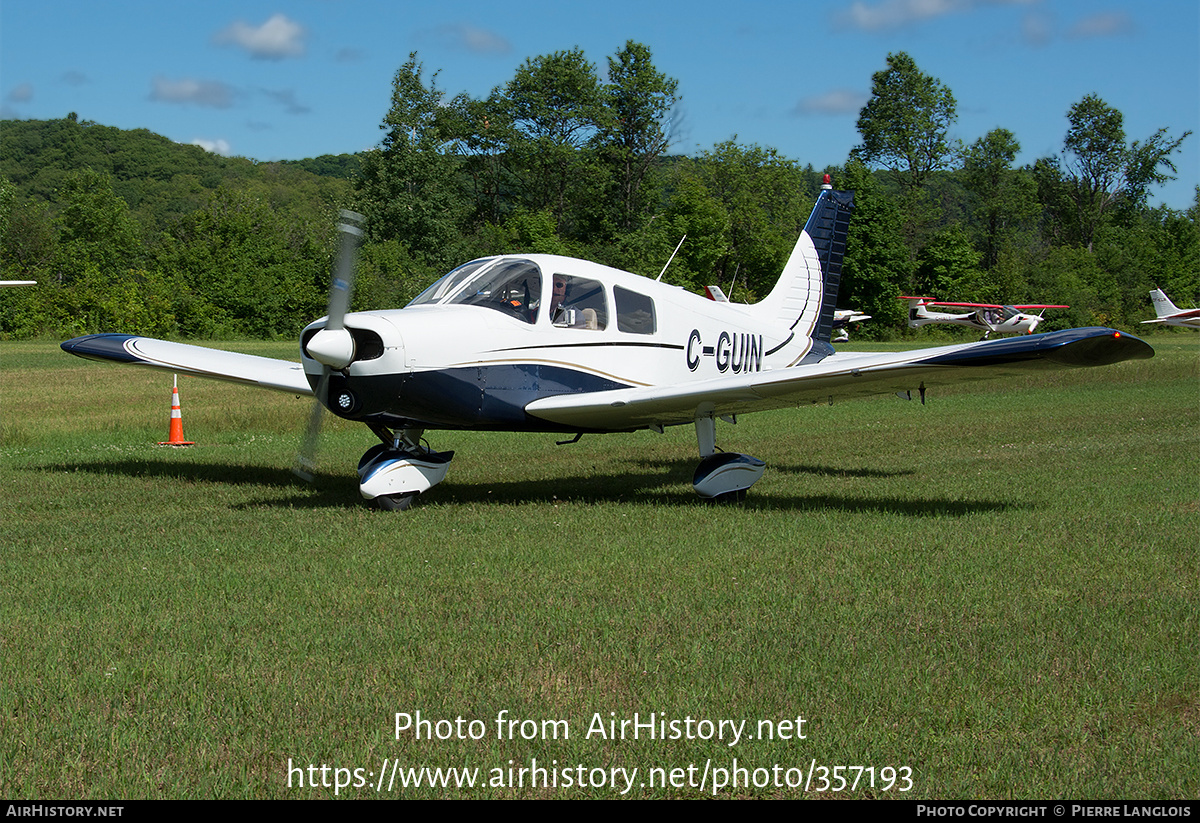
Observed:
{"x":394,"y":475}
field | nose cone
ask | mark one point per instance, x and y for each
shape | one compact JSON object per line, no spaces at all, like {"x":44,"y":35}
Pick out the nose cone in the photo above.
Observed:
{"x":332,"y":347}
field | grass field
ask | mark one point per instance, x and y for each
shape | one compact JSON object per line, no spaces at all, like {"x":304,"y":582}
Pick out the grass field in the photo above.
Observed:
{"x":990,"y":596}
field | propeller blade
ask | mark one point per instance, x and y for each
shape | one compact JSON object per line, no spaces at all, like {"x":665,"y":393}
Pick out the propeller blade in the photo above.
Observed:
{"x":343,"y":276}
{"x":306,"y":459}
{"x":340,"y":291}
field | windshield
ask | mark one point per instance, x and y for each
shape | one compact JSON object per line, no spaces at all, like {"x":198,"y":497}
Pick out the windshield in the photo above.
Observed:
{"x":448,"y":283}
{"x":511,"y":286}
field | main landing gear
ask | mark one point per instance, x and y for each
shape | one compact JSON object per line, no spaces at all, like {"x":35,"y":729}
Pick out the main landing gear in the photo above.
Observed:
{"x":393,"y":473}
{"x":401,"y":467}
{"x":722,"y":476}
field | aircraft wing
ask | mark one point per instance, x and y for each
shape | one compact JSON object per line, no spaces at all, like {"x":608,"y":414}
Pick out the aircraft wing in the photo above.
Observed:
{"x":1186,"y":314}
{"x":252,"y":370}
{"x":838,"y":377}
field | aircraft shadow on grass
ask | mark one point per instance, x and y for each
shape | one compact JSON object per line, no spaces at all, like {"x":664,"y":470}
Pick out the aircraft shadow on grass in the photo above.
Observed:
{"x":661,"y":481}
{"x":219,"y":473}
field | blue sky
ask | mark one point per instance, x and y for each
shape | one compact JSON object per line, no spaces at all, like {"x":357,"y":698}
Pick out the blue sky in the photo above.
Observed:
{"x":288,"y":80}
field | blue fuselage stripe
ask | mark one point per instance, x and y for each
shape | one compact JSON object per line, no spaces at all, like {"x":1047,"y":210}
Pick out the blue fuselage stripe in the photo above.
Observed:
{"x":490,"y":396}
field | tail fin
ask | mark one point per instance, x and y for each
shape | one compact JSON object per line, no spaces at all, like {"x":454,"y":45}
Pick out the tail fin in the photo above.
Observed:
{"x":916,"y":310}
{"x":806,"y":295}
{"x":1163,"y":306}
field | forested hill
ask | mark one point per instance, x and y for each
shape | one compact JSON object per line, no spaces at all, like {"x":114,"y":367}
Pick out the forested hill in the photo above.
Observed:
{"x":158,"y":179}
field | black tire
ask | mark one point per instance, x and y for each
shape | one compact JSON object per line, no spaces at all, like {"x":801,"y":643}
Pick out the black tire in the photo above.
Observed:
{"x":396,"y":502}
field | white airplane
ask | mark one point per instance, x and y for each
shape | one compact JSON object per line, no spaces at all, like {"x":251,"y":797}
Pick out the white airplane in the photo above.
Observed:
{"x":842,"y":318}
{"x":541,"y":343}
{"x":1171,"y":315}
{"x":987,"y":317}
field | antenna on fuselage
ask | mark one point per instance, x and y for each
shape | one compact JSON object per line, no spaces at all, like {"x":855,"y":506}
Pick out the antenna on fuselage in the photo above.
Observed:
{"x":733,"y":282}
{"x":672,"y":257}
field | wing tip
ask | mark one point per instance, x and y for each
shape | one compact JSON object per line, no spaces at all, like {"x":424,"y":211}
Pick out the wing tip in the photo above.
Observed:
{"x":110,"y":347}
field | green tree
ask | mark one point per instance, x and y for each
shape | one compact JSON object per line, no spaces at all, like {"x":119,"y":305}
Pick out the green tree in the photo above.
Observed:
{"x":766,"y":200}
{"x":556,"y":105}
{"x":244,"y":268}
{"x":640,"y":100}
{"x":948,"y":267}
{"x":1006,"y":198}
{"x":407,"y":187}
{"x":906,"y":122}
{"x":702,"y":222}
{"x":876,"y":268}
{"x":1100,"y":174}
{"x":28,"y":243}
{"x":94,"y":226}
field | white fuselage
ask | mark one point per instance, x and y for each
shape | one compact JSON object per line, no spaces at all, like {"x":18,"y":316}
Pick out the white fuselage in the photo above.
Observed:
{"x":999,"y":323}
{"x":498,"y":349}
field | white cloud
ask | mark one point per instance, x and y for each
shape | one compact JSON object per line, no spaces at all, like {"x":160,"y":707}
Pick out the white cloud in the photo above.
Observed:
{"x":1103,"y":25}
{"x":188,"y":90}
{"x":287,"y":99}
{"x":1037,"y":29}
{"x":891,"y":14}
{"x":275,"y":39}
{"x":349,"y":54}
{"x":837,"y":101}
{"x":217,"y":146}
{"x":22,"y":93}
{"x":465,"y":37}
{"x":894,"y":14}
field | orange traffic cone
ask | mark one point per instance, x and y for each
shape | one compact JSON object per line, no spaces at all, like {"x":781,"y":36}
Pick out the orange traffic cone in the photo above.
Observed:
{"x":175,"y":435}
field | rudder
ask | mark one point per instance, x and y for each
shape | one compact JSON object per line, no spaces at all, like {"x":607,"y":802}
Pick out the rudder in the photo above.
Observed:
{"x":805,"y":297}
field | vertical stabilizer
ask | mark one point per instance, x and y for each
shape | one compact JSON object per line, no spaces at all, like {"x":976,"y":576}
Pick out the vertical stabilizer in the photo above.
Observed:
{"x":1163,"y":306}
{"x":805,"y":297}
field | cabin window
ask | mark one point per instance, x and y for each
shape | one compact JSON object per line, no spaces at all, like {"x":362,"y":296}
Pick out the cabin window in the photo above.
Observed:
{"x":578,"y":303}
{"x":635,"y":312}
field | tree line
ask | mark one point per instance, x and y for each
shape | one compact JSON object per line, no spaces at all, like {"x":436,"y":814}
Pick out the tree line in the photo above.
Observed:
{"x":127,"y":231}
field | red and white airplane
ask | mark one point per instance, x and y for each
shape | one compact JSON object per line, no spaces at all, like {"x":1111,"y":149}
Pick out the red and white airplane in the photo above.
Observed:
{"x":1171,"y":315}
{"x":987,"y":317}
{"x":541,"y":343}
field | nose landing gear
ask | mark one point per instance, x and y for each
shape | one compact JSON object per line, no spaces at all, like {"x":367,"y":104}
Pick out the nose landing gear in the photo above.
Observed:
{"x":393,"y":473}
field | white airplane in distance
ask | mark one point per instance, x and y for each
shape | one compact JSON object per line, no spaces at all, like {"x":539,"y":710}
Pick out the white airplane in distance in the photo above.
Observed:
{"x":1171,"y":315}
{"x":541,"y":343}
{"x":841,"y":317}
{"x":987,"y":317}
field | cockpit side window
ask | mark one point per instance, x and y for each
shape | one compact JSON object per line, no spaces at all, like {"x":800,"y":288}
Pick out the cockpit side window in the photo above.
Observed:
{"x":578,"y":303}
{"x":635,"y":312}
